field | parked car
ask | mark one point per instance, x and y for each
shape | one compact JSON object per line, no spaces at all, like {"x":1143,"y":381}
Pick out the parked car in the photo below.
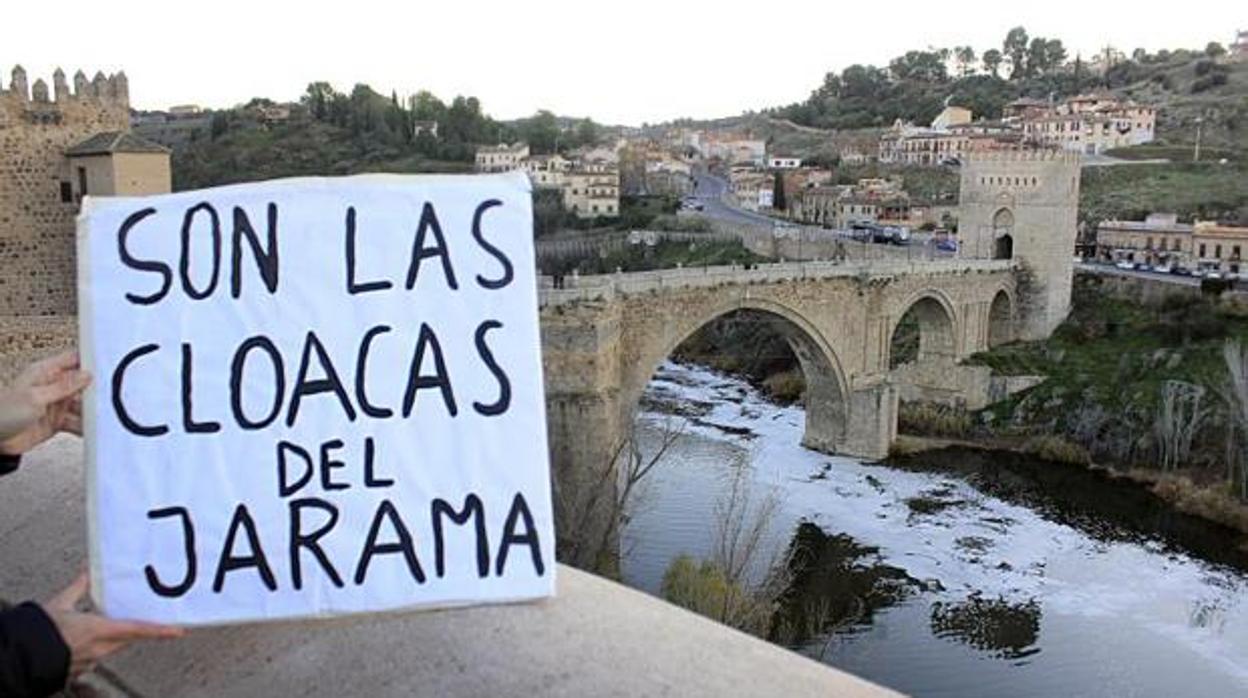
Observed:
{"x":947,"y":245}
{"x":1125,"y":265}
{"x":1212,"y":274}
{"x":1163,"y":269}
{"x":1180,"y":271}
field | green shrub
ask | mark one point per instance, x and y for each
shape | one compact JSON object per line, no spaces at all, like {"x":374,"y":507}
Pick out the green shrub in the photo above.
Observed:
{"x":1214,"y":287}
{"x":787,"y":386}
{"x":684,"y":224}
{"x":931,"y":419}
{"x":706,"y":590}
{"x":1056,"y":449}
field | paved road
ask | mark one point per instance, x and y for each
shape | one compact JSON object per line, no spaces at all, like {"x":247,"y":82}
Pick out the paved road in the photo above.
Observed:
{"x":1150,"y":275}
{"x":712,"y":191}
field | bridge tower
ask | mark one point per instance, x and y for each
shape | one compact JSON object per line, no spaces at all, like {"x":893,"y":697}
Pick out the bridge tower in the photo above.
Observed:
{"x":1024,"y":205}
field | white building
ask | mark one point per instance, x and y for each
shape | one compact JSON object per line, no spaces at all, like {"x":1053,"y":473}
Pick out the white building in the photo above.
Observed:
{"x":781,"y":162}
{"x":501,"y":157}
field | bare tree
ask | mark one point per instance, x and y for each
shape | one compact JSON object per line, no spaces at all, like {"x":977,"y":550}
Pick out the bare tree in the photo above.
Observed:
{"x":1237,"y":367}
{"x":1179,"y":417}
{"x":593,"y":512}
{"x":741,"y":523}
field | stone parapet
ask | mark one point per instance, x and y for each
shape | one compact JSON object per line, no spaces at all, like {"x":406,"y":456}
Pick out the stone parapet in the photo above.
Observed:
{"x":595,"y":638}
{"x":605,"y":287}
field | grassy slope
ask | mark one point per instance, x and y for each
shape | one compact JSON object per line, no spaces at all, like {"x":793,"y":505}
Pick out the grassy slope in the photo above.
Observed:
{"x":1113,"y":356}
{"x":1224,"y":109}
{"x":1206,"y":191}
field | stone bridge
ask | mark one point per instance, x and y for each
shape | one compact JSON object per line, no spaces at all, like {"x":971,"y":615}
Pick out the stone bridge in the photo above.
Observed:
{"x":603,"y":339}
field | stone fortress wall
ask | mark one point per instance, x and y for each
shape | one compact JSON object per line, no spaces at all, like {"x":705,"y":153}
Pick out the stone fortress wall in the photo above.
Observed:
{"x":39,"y":202}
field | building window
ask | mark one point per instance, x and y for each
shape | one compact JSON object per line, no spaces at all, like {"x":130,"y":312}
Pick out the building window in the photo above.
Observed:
{"x":1235,"y":252}
{"x":1202,"y":250}
{"x":1217,"y":251}
{"x":67,"y":193}
{"x":82,"y":181}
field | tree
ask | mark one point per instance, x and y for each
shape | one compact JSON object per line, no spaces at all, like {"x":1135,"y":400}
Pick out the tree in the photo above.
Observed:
{"x":865,"y":81}
{"x":318,"y":98}
{"x":965,"y":56}
{"x":830,"y":89}
{"x":587,"y":133}
{"x":1037,"y":57}
{"x":1015,"y":46}
{"x":1054,"y":54}
{"x":1179,"y":418}
{"x":1236,"y":357}
{"x":921,"y":66}
{"x":1078,"y":73}
{"x":541,"y":132}
{"x":1214,"y":49}
{"x":992,"y":61}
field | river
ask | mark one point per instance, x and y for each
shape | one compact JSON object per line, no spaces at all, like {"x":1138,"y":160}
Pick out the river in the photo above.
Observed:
{"x":966,"y":576}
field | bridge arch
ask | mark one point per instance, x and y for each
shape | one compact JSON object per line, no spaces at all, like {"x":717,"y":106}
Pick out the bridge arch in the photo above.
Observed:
{"x":1001,"y":319}
{"x":937,"y":328}
{"x":826,"y":397}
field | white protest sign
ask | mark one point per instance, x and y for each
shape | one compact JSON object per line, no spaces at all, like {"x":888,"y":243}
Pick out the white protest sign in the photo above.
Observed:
{"x":314,"y":397}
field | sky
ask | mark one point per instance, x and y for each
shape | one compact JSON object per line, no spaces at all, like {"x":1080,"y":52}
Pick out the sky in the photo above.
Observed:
{"x":620,"y":63}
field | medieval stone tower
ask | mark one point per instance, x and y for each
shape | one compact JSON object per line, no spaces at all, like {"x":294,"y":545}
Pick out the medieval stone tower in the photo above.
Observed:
{"x":1024,"y":205}
{"x":39,"y":187}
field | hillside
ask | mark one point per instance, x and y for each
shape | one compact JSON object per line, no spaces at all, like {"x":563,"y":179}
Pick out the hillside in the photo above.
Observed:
{"x":303,"y":147}
{"x":334,"y":133}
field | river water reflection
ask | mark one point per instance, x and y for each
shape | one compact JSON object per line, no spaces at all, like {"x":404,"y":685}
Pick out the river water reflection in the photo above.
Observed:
{"x":951,"y":574}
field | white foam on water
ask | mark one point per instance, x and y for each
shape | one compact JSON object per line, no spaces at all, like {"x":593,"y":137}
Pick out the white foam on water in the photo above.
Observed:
{"x":1140,"y":587}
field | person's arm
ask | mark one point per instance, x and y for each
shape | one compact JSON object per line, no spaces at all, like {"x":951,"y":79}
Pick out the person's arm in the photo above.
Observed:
{"x":43,"y":400}
{"x":34,"y":659}
{"x":42,"y":646}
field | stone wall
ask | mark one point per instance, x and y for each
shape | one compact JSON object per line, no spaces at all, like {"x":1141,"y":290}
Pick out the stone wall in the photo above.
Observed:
{"x":36,"y":224}
{"x":26,"y":338}
{"x":946,"y":383}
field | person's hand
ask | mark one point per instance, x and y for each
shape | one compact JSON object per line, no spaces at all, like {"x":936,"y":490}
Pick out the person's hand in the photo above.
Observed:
{"x":90,"y":636}
{"x":44,"y":399}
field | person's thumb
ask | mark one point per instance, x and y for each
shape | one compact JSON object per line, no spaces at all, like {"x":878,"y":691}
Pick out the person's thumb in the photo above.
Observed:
{"x":70,"y":595}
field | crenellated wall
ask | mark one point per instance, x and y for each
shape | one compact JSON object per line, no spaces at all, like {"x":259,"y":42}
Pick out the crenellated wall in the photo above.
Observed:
{"x":36,"y":222}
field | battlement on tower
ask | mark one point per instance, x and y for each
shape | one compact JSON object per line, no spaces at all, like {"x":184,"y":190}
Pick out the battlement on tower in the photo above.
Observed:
{"x":1054,"y":155}
{"x":21,"y":100}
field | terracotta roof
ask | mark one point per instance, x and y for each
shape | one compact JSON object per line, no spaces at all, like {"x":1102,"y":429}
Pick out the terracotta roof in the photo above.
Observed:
{"x":111,"y":142}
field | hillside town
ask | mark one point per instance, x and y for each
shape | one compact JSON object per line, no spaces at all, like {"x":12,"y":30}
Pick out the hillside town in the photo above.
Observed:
{"x":949,"y":357}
